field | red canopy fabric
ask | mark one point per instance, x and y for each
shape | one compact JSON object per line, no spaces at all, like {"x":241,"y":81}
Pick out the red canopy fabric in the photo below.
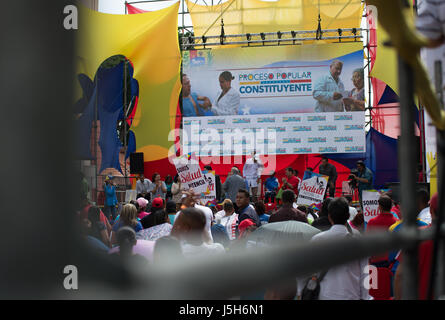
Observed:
{"x":133,"y":10}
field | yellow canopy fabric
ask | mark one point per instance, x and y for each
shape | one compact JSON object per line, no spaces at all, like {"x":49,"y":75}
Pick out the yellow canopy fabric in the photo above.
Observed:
{"x":256,"y":16}
{"x":385,"y":66}
{"x":150,"y":41}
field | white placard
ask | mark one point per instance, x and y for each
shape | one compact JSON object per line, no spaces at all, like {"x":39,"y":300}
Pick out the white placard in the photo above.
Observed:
{"x":370,"y":200}
{"x":312,"y":190}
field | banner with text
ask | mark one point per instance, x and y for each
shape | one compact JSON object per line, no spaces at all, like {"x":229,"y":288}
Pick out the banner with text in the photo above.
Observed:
{"x":370,"y":200}
{"x":293,"y":99}
{"x":312,"y":190}
{"x":192,"y":177}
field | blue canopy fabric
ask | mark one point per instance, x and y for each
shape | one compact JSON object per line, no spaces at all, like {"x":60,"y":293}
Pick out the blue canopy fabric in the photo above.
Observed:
{"x":380,"y":157}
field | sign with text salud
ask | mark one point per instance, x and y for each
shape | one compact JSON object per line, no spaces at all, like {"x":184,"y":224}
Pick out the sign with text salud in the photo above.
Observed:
{"x":312,"y":190}
{"x":202,"y":182}
{"x":370,"y":200}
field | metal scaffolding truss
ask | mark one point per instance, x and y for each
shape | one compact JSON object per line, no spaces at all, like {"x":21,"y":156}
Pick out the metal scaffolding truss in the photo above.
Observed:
{"x":272,"y":38}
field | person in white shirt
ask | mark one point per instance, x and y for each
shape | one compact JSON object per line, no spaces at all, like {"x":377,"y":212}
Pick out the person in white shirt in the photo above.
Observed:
{"x":228,"y":218}
{"x":143,"y":187}
{"x":189,"y":228}
{"x":345,"y":282}
{"x":352,"y":211}
{"x":423,"y":198}
{"x":251,"y":172}
{"x":227,"y":100}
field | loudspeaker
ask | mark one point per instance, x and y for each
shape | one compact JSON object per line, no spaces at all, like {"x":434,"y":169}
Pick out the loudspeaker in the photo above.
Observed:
{"x":136,"y":162}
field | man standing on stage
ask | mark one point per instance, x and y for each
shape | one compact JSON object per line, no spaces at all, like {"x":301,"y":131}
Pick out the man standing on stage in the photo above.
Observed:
{"x":364,"y":178}
{"x":329,"y":90}
{"x":143,"y":187}
{"x":328,"y":169}
{"x":251,"y":172}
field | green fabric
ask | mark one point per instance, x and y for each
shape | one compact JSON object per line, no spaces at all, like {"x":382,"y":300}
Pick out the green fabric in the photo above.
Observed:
{"x":280,"y":192}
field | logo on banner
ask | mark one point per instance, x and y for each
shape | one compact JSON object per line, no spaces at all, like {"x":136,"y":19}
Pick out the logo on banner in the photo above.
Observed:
{"x":291,"y":140}
{"x":316,"y":118}
{"x":327,"y":149}
{"x":316,"y":140}
{"x":353,"y":127}
{"x":242,"y":141}
{"x":190,"y":122}
{"x":277,"y":83}
{"x":354,"y":149}
{"x":276,"y":129}
{"x":302,"y":128}
{"x":241,"y":120}
{"x":216,"y":121}
{"x":265,"y":141}
{"x":302,"y":150}
{"x":263,"y":120}
{"x":343,"y":139}
{"x":327,"y":128}
{"x":343,"y":117}
{"x":291,"y":119}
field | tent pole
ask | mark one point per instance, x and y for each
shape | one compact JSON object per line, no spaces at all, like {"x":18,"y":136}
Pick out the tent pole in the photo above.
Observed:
{"x":407,"y":173}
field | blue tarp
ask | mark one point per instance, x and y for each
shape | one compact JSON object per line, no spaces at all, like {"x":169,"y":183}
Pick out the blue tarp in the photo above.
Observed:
{"x":380,"y":157}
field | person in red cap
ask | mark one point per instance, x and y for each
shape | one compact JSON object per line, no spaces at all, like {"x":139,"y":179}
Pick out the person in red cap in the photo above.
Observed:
{"x":246,"y":227}
{"x":156,"y":205}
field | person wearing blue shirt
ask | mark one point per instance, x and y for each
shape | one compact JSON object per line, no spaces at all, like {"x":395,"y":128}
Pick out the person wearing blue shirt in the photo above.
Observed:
{"x":364,"y":178}
{"x":271,"y":186}
{"x":329,"y":90}
{"x":110,"y":198}
{"x":190,"y":105}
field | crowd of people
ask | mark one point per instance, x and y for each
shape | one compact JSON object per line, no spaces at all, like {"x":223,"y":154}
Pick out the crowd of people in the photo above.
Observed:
{"x":167,"y":218}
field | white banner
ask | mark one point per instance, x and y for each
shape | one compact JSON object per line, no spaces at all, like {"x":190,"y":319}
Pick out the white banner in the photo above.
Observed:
{"x":202,"y":182}
{"x":370,"y":200}
{"x":299,"y":133}
{"x":312,"y":190}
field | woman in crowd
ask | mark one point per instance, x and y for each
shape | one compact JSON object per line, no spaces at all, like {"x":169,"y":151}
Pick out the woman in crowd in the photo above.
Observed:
{"x":177,"y":188}
{"x":97,"y":228}
{"x":110,"y":198}
{"x":159,"y":189}
{"x":142,"y":206}
{"x":260,"y":209}
{"x":128,"y":218}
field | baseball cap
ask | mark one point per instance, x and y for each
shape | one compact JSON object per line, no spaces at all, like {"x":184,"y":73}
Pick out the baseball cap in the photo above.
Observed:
{"x":244,"y":225}
{"x":157,"y":203}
